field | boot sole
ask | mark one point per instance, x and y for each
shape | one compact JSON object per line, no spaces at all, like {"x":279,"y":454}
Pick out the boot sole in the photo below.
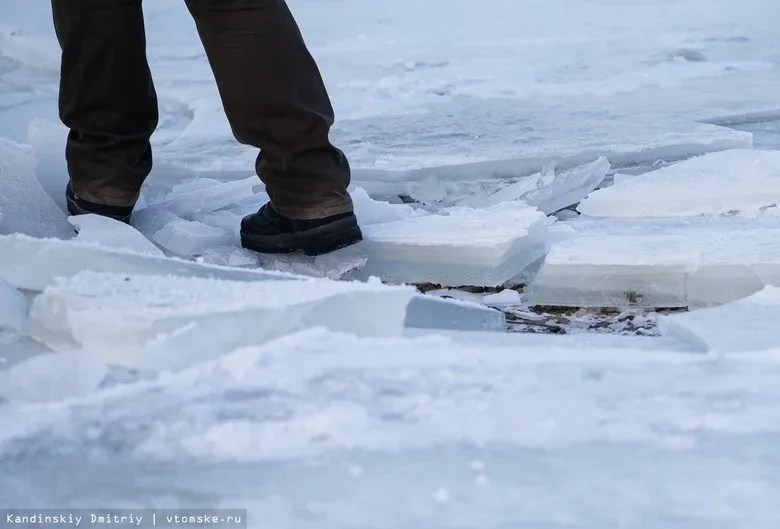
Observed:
{"x":317,"y":241}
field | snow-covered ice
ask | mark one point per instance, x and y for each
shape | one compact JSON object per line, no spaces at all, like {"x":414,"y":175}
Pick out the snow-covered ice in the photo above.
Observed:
{"x":121,"y":315}
{"x":744,"y":182}
{"x":425,"y":432}
{"x":520,"y":101}
{"x":461,"y":246}
{"x":25,"y":206}
{"x":749,"y":324}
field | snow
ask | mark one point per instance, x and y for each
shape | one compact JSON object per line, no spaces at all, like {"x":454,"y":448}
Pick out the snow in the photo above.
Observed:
{"x":746,"y":325}
{"x":744,"y":182}
{"x":362,"y":405}
{"x":461,"y":246}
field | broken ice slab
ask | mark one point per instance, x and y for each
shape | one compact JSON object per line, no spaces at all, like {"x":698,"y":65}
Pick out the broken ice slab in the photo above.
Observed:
{"x":111,"y":233}
{"x":53,"y":376}
{"x":733,"y":181}
{"x":338,"y":264}
{"x":187,"y":238}
{"x":159,"y":322}
{"x":14,"y":307}
{"x":549,"y":190}
{"x":687,"y":263}
{"x":458,"y":148}
{"x":431,"y":312}
{"x":461,"y":246}
{"x":369,"y":211}
{"x":746,"y":325}
{"x":613,"y":272}
{"x":203,"y":200}
{"x":33,"y":264}
{"x":25,"y":206}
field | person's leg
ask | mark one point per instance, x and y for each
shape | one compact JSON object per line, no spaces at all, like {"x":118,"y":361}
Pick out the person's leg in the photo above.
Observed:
{"x":275,"y":99}
{"x":107,"y":100}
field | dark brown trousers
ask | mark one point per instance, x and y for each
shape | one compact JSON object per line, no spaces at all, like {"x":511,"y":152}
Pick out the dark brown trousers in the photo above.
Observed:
{"x":271,"y":89}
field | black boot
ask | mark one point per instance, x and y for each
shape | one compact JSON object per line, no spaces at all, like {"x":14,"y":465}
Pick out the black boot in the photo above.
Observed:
{"x":79,"y":206}
{"x":269,"y":232}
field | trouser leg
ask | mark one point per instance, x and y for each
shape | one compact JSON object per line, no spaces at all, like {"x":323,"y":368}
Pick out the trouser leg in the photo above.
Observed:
{"x":107,"y":98}
{"x":275,"y":99}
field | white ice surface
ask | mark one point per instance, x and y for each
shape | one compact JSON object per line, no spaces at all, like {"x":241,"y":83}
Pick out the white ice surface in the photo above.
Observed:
{"x":682,"y":263}
{"x":426,"y":432}
{"x":461,"y":246}
{"x":547,"y":432}
{"x":138,"y":320}
{"x":745,"y":182}
{"x":14,"y":307}
{"x":747,"y":325}
{"x":24,"y":204}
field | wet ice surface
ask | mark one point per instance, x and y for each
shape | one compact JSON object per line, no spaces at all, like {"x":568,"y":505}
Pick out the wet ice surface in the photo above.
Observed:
{"x":516,"y":102}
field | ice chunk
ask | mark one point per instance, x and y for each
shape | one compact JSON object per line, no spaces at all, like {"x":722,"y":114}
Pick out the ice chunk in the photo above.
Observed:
{"x":26,"y":207}
{"x":746,"y":325}
{"x":463,"y":246}
{"x":202,"y":200}
{"x":334,"y":265}
{"x":33,"y":264}
{"x":231,"y":256}
{"x":743,"y":181}
{"x":149,"y":221}
{"x":370,"y":211}
{"x":186,"y":320}
{"x":614,"y":272}
{"x":229,"y":221}
{"x":551,"y":190}
{"x":189,"y":238}
{"x":110,"y":233}
{"x":505,"y":297}
{"x":13,"y":307}
{"x":53,"y":376}
{"x":431,"y":312}
{"x":667,"y":264}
